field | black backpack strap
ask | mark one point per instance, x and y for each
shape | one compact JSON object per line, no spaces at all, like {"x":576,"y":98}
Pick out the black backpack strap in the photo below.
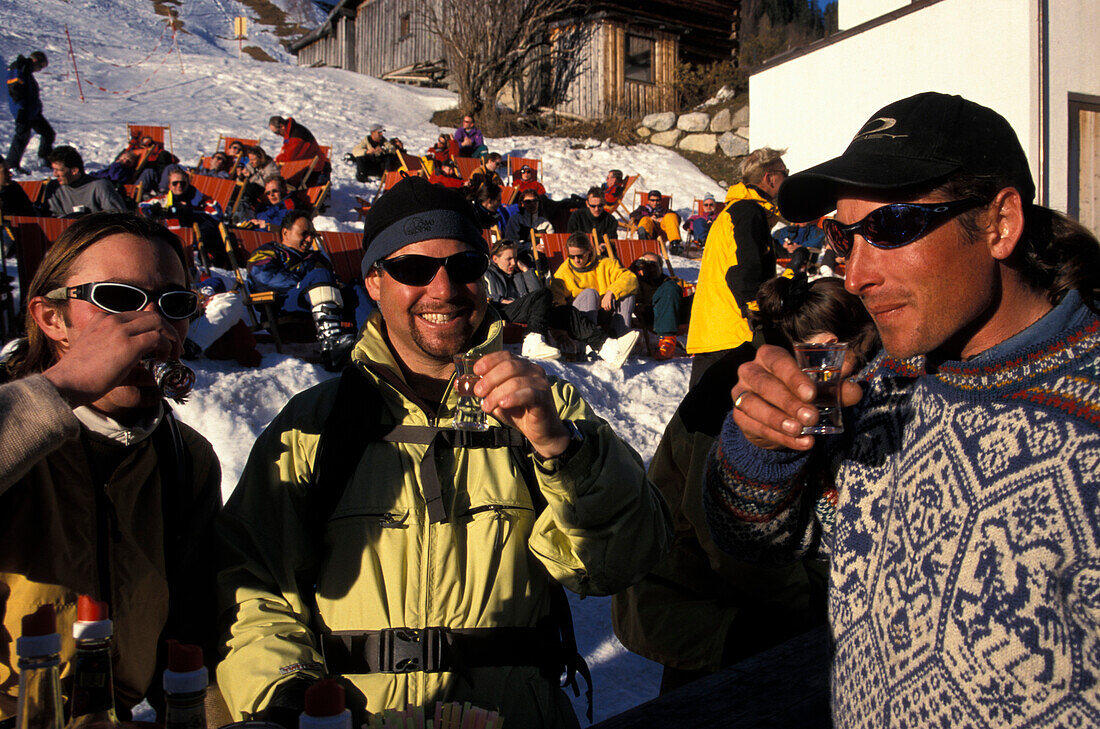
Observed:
{"x":343,"y":438}
{"x":356,"y":421}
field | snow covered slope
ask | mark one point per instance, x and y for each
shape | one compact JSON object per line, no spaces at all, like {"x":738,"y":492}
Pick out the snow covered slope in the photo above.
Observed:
{"x":203,"y":90}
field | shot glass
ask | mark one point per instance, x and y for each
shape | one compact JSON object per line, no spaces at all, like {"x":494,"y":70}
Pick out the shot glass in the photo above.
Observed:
{"x":469,"y":415}
{"x":822,"y":363}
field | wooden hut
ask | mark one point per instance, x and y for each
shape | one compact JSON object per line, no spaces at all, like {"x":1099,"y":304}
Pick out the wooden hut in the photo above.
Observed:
{"x":625,"y":65}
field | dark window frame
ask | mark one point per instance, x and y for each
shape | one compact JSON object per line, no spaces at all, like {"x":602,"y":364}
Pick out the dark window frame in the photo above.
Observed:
{"x":639,"y":65}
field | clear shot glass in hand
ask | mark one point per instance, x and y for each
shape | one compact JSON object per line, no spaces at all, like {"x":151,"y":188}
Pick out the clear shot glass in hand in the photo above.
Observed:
{"x":822,"y":363}
{"x":469,"y":415}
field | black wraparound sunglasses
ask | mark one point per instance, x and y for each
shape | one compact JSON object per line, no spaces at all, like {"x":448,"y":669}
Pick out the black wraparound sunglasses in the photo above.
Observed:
{"x":117,"y":298}
{"x":413,"y":269}
{"x":894,"y":226}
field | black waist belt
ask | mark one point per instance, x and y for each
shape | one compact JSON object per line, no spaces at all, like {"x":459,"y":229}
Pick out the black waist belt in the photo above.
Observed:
{"x":406,"y":650}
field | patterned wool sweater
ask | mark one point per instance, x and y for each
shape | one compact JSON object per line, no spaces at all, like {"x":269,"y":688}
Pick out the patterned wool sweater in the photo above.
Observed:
{"x":961,"y":515}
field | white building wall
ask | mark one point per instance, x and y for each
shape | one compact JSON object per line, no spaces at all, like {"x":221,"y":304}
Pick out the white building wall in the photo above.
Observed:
{"x":851,"y":13}
{"x":1074,"y":69}
{"x":981,"y":49}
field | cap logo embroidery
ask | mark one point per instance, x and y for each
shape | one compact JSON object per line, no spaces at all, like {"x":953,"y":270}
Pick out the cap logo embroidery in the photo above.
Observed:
{"x":419,"y":224}
{"x":870,"y":131}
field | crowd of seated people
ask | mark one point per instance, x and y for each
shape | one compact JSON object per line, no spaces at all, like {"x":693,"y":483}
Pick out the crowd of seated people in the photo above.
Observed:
{"x":266,"y":202}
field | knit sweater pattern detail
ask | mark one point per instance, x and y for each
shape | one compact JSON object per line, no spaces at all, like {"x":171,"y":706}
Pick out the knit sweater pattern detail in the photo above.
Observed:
{"x":964,"y":537}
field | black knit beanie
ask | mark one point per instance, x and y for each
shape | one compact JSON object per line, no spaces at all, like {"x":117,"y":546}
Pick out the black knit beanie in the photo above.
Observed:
{"x":414,"y":210}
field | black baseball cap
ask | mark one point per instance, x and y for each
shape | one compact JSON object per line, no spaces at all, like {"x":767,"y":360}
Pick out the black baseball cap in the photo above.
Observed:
{"x":909,"y":143}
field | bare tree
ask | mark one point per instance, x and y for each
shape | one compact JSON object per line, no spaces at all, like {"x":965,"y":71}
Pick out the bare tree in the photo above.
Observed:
{"x":489,"y":43}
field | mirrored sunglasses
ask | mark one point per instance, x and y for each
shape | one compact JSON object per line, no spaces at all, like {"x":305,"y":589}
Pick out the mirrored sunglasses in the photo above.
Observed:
{"x":416,"y":270}
{"x":117,"y":298}
{"x":894,"y":226}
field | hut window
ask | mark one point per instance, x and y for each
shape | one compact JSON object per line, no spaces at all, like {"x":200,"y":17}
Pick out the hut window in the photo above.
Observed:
{"x":639,"y":59}
{"x":406,"y":25}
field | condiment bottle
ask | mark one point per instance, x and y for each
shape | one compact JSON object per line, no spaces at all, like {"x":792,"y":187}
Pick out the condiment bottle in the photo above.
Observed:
{"x":185,"y":682}
{"x":39,"y":649}
{"x":93,"y":699}
{"x":325,"y":707}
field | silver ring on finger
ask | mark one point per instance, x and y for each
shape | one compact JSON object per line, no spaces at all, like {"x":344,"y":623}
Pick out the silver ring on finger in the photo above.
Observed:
{"x":737,"y":402}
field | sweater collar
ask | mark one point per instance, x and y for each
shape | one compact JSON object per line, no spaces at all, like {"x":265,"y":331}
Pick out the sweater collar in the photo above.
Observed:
{"x":105,"y":428}
{"x":1068,"y":331}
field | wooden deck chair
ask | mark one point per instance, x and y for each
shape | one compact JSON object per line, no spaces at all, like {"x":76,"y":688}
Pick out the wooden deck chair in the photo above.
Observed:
{"x":389,"y":179}
{"x":35,"y":189}
{"x":491,"y":235}
{"x":554,"y":248}
{"x":507,"y":194}
{"x":631,"y":249}
{"x":412,"y":164}
{"x":619,"y":209}
{"x":246,"y":242}
{"x":640,"y":197}
{"x":345,"y":251}
{"x":318,"y":196}
{"x":133,"y":192}
{"x":224,"y":142}
{"x":143,"y":157}
{"x":514,"y":163}
{"x":205,"y":164}
{"x":218,"y":189}
{"x":604,"y":247}
{"x":298,"y":171}
{"x":467,"y":166}
{"x":162,"y":134}
{"x":191,"y":240}
{"x":362,"y":206}
{"x":326,"y":152}
{"x":33,"y":237}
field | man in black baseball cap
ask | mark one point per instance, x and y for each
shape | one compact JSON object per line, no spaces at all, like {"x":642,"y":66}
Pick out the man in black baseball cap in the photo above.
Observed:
{"x":909,"y":144}
{"x":432,"y":561}
{"x":950,"y":506}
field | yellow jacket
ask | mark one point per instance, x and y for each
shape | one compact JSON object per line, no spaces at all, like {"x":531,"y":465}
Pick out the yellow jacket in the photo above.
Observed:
{"x":49,"y":539}
{"x":382,"y":564}
{"x":606,"y":276}
{"x":717,"y":319}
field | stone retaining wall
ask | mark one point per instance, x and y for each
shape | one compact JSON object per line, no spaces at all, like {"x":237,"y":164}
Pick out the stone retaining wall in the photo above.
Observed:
{"x":725,"y":131}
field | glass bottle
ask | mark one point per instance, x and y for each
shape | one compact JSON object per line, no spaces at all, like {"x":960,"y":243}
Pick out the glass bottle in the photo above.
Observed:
{"x":93,"y":699}
{"x":39,"y":649}
{"x":185,"y":682}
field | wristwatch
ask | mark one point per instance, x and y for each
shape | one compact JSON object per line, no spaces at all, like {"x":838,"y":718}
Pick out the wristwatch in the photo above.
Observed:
{"x":576,"y":440}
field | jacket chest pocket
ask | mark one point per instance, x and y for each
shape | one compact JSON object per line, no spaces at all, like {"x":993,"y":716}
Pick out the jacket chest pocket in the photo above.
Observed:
{"x":498,"y":524}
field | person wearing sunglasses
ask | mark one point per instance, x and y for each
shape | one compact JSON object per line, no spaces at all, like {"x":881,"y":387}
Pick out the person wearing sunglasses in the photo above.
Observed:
{"x":419,"y":533}
{"x":738,"y":258}
{"x":302,"y":278}
{"x":485,"y":175}
{"x":526,"y":179}
{"x":698,"y":224}
{"x":185,"y":203}
{"x":103,"y":491}
{"x":654,"y":220}
{"x":952,"y":506}
{"x":602,"y":290}
{"x":279,"y":203}
{"x":471,"y":143}
{"x":519,"y":296}
{"x":593,"y":217}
